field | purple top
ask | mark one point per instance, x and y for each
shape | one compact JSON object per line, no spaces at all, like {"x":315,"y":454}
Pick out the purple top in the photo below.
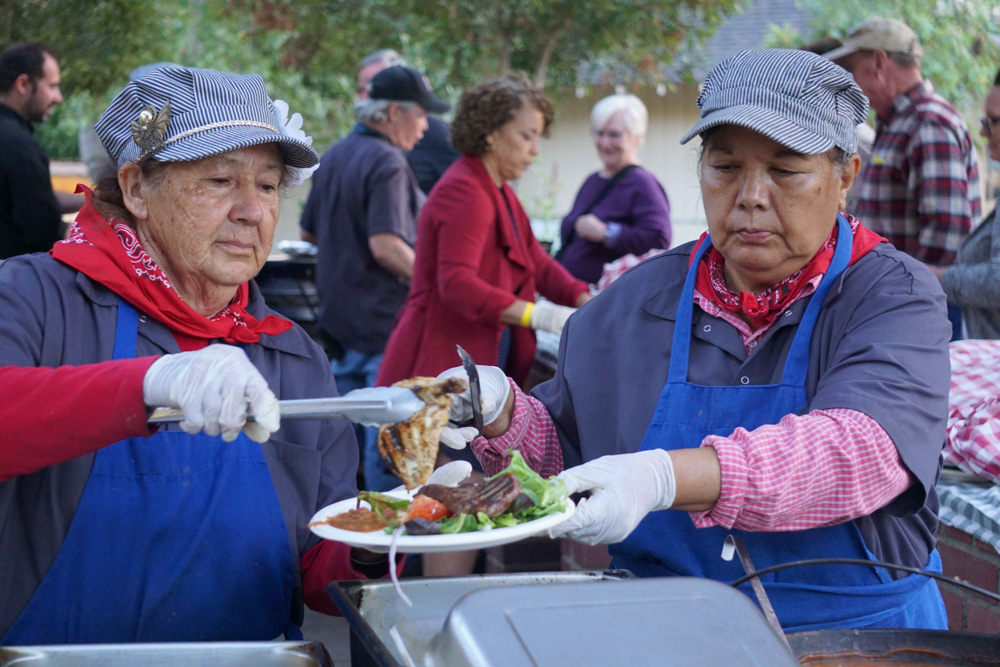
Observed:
{"x":637,"y":211}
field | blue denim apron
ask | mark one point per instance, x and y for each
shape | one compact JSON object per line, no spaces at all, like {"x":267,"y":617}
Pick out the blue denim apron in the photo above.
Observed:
{"x":176,"y":537}
{"x":809,"y":598}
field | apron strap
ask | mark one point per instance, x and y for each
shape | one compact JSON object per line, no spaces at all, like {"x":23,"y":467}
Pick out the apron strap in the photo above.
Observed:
{"x":126,"y":330}
{"x":680,"y":349}
{"x":797,"y":364}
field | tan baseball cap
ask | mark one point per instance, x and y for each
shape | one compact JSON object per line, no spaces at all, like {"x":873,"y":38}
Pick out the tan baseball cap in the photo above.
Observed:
{"x":878,"y":32}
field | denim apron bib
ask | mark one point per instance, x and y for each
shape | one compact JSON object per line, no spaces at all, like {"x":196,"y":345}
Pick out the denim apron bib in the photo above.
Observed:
{"x":176,"y":537}
{"x":666,"y":543}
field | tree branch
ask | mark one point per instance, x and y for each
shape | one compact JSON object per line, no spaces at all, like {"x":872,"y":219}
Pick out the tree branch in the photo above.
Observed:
{"x":543,"y":61}
{"x":503,"y":56}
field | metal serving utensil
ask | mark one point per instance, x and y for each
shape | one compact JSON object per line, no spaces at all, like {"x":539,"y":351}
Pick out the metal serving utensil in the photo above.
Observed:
{"x":736,"y":544}
{"x":370,"y":406}
{"x":474,"y":390}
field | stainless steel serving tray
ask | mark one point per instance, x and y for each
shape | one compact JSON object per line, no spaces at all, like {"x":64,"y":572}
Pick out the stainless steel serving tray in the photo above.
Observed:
{"x":387,"y":633}
{"x":190,"y":654}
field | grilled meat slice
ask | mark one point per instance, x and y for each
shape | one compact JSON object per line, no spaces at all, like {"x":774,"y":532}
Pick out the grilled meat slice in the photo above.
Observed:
{"x":411,"y":447}
{"x":492,"y":497}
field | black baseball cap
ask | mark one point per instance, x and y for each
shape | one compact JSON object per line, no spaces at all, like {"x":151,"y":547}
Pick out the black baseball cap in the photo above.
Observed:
{"x":403,"y":84}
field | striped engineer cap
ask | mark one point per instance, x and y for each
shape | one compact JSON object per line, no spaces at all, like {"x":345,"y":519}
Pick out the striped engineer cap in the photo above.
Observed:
{"x":797,"y":98}
{"x":185,"y":113}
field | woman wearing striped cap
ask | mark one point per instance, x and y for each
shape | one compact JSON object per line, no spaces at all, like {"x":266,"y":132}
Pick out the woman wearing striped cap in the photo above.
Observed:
{"x":784,"y":378}
{"x":112,"y":530}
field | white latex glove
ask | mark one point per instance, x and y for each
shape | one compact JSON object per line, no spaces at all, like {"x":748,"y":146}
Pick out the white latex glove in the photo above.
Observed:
{"x":215,"y":387}
{"x":551,"y":317}
{"x":493,"y":393}
{"x":450,"y":474}
{"x":625,"y":488}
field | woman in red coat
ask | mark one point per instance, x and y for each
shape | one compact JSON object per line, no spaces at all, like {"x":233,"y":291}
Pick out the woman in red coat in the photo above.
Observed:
{"x":478,"y":265}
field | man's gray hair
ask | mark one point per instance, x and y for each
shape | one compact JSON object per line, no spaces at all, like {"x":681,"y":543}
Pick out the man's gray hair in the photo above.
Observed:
{"x":905,"y":59}
{"x":386,"y":57}
{"x":372,"y":112}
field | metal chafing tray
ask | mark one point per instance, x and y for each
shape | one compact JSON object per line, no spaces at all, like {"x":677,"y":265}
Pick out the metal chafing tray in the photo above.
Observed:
{"x":387,"y":633}
{"x":190,"y":654}
{"x":512,"y":620}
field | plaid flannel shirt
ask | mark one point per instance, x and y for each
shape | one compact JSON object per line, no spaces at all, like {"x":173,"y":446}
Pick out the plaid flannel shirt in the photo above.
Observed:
{"x":920,"y":188}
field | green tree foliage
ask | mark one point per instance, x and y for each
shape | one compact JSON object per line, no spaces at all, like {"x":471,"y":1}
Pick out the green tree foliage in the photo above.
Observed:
{"x":307,"y":50}
{"x":468,"y":40}
{"x":961,"y":55}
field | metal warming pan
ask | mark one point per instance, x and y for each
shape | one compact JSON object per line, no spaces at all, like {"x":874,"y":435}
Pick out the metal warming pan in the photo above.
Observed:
{"x":170,"y":654}
{"x":870,"y":648}
{"x":586,"y":618}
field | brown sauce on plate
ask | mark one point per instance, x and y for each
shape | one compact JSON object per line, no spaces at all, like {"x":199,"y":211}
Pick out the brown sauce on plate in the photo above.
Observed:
{"x":361,"y":520}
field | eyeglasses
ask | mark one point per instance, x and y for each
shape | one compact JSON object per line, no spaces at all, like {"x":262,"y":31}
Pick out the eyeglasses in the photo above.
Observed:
{"x":610,"y":135}
{"x":988,"y":122}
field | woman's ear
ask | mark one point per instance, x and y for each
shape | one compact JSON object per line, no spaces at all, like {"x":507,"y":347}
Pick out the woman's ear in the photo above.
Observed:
{"x":133,"y":194}
{"x":847,"y":176}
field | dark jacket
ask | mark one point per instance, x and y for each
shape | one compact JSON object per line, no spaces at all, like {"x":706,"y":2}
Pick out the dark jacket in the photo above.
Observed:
{"x":30,"y":218}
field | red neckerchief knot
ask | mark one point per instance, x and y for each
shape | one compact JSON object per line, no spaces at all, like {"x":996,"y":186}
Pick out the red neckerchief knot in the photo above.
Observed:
{"x":761,"y":309}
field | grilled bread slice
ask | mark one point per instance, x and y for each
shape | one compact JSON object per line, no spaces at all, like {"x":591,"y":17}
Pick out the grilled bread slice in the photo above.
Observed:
{"x":410,"y":448}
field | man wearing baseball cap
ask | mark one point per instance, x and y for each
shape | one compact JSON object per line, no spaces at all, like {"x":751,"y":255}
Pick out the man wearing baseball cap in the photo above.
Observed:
{"x":920,"y":188}
{"x":434,"y":153}
{"x":362,"y":214}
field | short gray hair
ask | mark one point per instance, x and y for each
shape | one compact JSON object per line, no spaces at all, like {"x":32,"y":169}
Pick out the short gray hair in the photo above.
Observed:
{"x":636,"y":116}
{"x":904,"y":59}
{"x":377,"y":111}
{"x":386,"y":57}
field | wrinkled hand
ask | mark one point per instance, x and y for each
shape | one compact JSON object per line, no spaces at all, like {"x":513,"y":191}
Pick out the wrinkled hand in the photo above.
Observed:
{"x":494,"y":390}
{"x":625,"y":488}
{"x":215,"y":388}
{"x":550,"y":317}
{"x":590,"y":227}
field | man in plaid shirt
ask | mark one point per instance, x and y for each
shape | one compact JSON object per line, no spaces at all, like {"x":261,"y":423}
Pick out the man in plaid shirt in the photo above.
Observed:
{"x":920,"y":188}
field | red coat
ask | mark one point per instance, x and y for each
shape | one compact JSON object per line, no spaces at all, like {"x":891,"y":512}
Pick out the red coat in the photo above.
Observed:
{"x":470,"y":265}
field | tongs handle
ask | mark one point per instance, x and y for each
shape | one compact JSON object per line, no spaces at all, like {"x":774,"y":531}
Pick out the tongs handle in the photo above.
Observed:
{"x":372,"y":406}
{"x":475,"y":392}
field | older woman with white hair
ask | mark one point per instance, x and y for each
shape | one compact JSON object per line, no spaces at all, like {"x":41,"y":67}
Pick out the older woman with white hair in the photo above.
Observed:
{"x":621,"y":209}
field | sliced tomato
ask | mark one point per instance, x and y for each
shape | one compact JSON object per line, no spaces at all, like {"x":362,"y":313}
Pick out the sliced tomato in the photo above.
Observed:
{"x":426,"y":508}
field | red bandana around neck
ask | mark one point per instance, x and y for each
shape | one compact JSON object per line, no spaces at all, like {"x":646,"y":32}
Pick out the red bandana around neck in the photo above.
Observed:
{"x":109,"y":252}
{"x":761,"y":308}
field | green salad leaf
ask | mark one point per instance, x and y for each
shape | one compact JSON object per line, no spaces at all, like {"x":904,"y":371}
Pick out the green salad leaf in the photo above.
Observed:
{"x":548,"y":495}
{"x":545,"y":493}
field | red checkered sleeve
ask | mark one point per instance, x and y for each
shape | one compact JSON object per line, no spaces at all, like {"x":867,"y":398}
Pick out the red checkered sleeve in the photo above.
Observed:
{"x":818,"y":469}
{"x":939,"y":182}
{"x":532,"y":432}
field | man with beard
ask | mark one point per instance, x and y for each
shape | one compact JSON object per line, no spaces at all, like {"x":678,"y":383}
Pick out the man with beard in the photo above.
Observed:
{"x":30,"y":213}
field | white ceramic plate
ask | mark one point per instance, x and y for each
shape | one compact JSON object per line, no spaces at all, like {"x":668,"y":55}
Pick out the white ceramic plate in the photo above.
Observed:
{"x":423,"y":544}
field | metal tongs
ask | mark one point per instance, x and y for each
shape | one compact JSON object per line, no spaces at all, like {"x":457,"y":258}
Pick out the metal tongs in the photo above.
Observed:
{"x":370,"y":406}
{"x":474,"y":391}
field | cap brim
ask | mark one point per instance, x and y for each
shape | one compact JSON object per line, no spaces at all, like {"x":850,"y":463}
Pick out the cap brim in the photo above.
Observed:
{"x":434,"y":104}
{"x":295,"y":152}
{"x":765,"y":122}
{"x":841,"y":51}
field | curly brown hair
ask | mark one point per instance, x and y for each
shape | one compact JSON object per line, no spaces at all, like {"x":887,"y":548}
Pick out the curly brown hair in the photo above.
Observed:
{"x":491,"y":105}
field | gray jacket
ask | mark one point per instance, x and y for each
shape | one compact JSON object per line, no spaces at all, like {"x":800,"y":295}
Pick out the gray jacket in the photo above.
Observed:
{"x":53,"y":315}
{"x":973,"y":281}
